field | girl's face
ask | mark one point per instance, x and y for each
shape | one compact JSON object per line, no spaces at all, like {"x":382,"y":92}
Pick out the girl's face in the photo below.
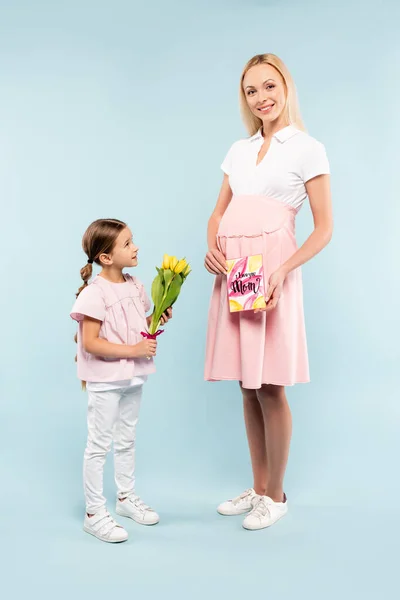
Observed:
{"x":124,"y":253}
{"x":265,"y":93}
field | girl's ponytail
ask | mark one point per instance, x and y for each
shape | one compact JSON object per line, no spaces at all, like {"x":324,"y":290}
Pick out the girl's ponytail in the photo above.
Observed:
{"x":86,"y":273}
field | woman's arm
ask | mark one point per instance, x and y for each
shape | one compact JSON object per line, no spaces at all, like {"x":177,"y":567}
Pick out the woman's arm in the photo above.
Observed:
{"x":93,"y":344}
{"x":319,"y":194}
{"x":318,"y":190}
{"x":215,"y":261}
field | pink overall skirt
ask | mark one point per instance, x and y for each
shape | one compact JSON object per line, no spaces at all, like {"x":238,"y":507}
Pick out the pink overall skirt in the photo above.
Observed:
{"x":267,"y":347}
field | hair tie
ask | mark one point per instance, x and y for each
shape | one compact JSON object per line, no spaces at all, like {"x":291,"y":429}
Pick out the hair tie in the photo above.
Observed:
{"x":90,"y":262}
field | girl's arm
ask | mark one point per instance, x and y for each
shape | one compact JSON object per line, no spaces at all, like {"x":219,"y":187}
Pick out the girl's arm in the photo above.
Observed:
{"x":215,"y":261}
{"x":93,"y":344}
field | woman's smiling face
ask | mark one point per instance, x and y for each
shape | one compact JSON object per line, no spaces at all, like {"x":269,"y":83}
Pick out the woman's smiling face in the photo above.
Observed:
{"x":265,"y":92}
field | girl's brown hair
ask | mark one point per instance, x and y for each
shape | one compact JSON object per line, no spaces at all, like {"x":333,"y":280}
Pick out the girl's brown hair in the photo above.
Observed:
{"x":99,"y":238}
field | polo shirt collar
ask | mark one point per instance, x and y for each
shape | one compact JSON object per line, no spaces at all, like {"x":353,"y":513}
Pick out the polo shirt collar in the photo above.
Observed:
{"x":282,"y":135}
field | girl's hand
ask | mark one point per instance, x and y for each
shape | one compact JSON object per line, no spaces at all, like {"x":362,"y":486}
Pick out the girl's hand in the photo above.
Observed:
{"x":215,"y":262}
{"x":275,"y":286}
{"x":144,"y":349}
{"x":166,"y":316}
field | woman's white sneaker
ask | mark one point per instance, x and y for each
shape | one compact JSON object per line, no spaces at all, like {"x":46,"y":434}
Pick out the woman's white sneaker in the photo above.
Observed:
{"x":265,"y":513}
{"x":239,"y":505}
{"x":104,"y":527}
{"x":134,"y":508}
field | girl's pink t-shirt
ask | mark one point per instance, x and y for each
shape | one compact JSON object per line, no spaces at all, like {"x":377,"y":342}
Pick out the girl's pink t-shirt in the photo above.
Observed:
{"x":121,"y":308}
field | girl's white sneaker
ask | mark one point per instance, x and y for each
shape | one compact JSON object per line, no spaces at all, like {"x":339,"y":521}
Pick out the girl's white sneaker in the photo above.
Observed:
{"x":104,"y":527}
{"x":134,"y":508}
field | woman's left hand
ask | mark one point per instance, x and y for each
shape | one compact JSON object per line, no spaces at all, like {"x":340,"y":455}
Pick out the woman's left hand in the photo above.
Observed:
{"x":275,"y":286}
{"x":166,"y":316}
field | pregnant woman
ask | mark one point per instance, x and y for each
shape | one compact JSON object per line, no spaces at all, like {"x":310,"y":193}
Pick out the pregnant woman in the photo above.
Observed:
{"x":267,"y":178}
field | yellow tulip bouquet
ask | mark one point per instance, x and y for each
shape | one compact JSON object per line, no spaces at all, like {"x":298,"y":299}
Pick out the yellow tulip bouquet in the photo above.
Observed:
{"x":165,"y":289}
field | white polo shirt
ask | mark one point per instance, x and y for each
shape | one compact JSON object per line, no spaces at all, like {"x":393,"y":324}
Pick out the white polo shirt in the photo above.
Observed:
{"x":293,"y":158}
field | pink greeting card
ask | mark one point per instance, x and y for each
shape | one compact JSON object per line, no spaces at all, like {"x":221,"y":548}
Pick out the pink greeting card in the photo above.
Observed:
{"x":245,"y":282}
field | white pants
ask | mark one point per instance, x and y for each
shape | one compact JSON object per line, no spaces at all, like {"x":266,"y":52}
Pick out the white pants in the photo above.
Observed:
{"x":112,"y":417}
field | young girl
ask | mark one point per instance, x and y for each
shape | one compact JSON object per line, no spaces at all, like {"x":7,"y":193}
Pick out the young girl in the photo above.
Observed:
{"x":114,"y":361}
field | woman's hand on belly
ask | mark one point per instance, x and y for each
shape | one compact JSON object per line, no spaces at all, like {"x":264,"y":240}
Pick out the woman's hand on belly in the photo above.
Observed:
{"x":215,"y":262}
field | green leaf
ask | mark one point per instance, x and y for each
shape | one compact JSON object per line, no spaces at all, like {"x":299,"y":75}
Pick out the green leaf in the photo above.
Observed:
{"x":160,"y":294}
{"x":157,"y":290}
{"x":168,"y":275}
{"x":154,"y":324}
{"x":161,"y":273}
{"x":172,"y":294}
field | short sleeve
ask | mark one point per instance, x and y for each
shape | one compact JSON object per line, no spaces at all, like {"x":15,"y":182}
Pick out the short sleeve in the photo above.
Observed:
{"x":314,"y":161}
{"x":226,"y":165}
{"x":90,"y":303}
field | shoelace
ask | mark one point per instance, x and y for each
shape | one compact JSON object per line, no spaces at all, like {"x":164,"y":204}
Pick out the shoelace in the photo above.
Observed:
{"x":243,"y":496}
{"x":261,"y":508}
{"x":139,"y":504}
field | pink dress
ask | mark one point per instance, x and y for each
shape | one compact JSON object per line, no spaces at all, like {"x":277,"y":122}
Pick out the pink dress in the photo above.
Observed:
{"x":267,"y":347}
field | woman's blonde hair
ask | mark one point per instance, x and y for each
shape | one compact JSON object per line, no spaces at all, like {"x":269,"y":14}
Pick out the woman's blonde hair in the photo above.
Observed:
{"x":292,"y":109}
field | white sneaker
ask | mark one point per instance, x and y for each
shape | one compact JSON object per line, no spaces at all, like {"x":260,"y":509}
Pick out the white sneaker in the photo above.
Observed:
{"x":239,"y":505}
{"x":104,"y":527}
{"x":134,"y":508}
{"x":265,"y":513}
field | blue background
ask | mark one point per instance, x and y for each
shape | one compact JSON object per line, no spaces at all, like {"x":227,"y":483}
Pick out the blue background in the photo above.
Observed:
{"x":126,"y":109}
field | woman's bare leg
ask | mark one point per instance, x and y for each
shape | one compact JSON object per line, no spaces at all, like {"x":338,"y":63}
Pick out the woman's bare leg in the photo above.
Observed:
{"x":255,"y":429}
{"x":278,"y":432}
